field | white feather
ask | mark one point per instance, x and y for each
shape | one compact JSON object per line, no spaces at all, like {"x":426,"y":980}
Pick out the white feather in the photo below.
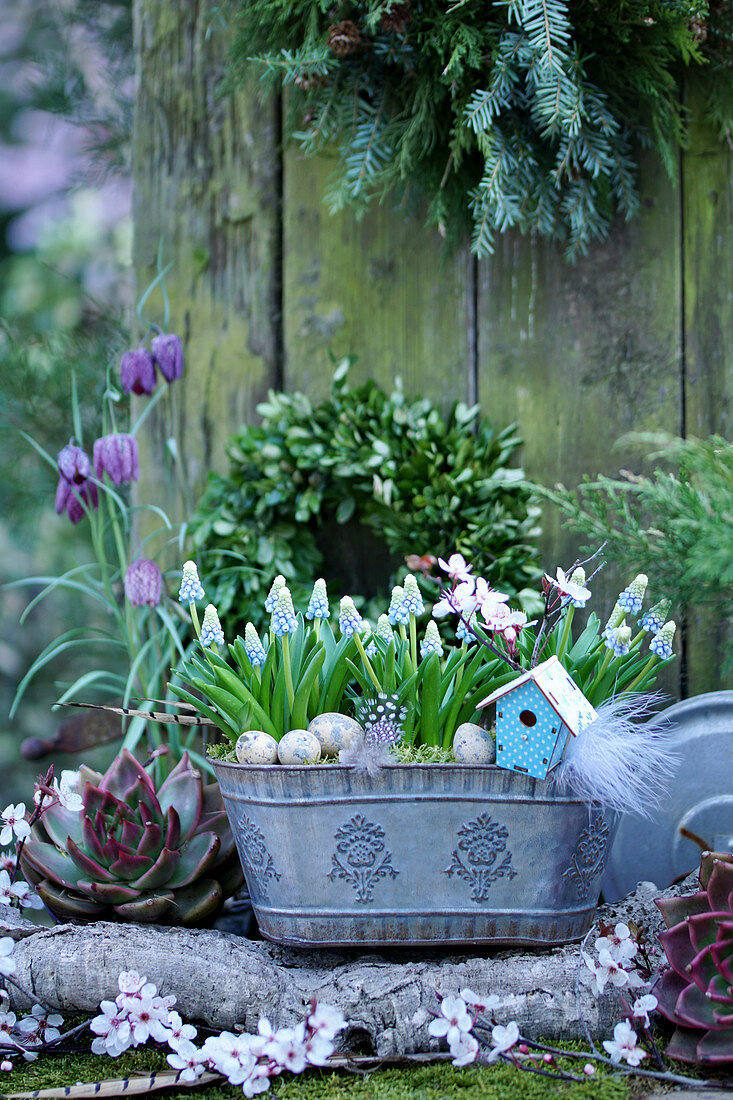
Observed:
{"x":620,"y":760}
{"x":367,"y":756}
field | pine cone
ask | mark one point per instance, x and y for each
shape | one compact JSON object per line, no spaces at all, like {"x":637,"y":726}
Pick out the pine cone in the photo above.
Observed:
{"x":396,"y":19}
{"x":344,"y":38}
{"x":307,"y":81}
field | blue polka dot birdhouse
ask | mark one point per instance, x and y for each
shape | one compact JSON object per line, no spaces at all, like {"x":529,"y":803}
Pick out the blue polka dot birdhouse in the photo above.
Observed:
{"x":536,"y":714}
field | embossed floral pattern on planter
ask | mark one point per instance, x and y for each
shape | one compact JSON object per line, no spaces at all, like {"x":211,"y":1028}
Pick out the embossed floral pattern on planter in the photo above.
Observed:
{"x":258,"y":863}
{"x":589,"y":858}
{"x":361,"y":857}
{"x":484,"y":843}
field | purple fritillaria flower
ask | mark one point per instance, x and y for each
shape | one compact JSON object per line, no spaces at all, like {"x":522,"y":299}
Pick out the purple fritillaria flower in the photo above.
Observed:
{"x":75,"y":485}
{"x":167,"y":351}
{"x":116,"y":455}
{"x":143,"y":583}
{"x":137,"y":371}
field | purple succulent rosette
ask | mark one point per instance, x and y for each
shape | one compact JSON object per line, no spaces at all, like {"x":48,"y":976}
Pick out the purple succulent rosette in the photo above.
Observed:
{"x":696,"y":993}
{"x":134,"y":853}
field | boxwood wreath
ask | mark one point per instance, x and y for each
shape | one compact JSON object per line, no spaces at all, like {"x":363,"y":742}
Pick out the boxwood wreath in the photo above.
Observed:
{"x":347,"y":488}
{"x":517,"y":113}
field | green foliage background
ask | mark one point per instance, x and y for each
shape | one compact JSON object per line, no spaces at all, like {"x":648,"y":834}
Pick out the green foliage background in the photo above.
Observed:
{"x":526,"y":113}
{"x":350,"y":486}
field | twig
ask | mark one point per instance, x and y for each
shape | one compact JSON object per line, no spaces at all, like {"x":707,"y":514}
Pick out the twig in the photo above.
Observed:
{"x":30,"y":996}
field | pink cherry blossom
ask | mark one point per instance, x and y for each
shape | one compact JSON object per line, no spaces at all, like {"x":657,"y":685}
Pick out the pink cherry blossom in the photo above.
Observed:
{"x":624,"y":1046}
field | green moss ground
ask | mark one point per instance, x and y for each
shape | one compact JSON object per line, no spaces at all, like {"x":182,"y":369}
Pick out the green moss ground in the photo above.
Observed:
{"x":440,"y":1081}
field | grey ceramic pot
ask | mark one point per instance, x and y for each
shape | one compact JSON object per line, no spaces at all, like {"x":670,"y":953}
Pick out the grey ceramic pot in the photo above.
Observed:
{"x":418,"y":854}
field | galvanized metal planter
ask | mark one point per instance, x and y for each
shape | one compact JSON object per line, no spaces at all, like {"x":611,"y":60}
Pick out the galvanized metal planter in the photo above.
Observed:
{"x":418,"y":854}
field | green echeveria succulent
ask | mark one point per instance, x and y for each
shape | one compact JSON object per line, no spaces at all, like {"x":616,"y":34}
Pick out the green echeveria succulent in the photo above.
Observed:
{"x":696,"y":993}
{"x":132,"y":852}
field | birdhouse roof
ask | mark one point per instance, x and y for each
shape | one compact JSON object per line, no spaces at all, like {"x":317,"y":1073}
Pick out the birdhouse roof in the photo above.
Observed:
{"x":560,"y":690}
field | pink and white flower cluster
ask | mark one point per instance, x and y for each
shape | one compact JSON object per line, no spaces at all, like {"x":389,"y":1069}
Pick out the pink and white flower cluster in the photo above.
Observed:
{"x":470,"y":597}
{"x":614,"y":964}
{"x":14,"y":828}
{"x":22,"y":1036}
{"x":456,"y":1021}
{"x":138,"y":1013}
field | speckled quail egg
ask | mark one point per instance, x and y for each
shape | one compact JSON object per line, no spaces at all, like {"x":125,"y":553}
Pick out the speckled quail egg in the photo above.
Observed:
{"x":256,"y":747}
{"x":473,"y":745}
{"x":334,"y":731}
{"x":299,"y":747}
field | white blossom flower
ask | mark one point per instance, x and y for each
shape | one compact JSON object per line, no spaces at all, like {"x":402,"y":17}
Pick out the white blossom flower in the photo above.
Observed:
{"x":6,"y":1065}
{"x":27,"y":898}
{"x":453,"y":1021}
{"x":486,"y":1003}
{"x":41,"y":1024}
{"x":179,"y":1032}
{"x":461,"y":601}
{"x":8,"y":892}
{"x":620,"y":945}
{"x":503,"y":1039}
{"x":7,"y":965}
{"x":567,"y":587}
{"x":624,"y":1045}
{"x":643,"y":1006}
{"x":318,"y":1050}
{"x":464,"y":1049}
{"x":113,"y":1028}
{"x":188,"y":1059}
{"x":7,"y":1027}
{"x":288,"y":1048}
{"x":148,"y":1019}
{"x":326,"y":1021}
{"x":456,"y":567}
{"x":7,"y":861}
{"x":68,"y":790}
{"x":14,"y":823}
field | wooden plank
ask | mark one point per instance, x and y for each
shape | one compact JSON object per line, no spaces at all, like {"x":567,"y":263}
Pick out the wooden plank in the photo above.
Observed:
{"x":581,"y":355}
{"x":206,"y":188}
{"x":379,"y":288}
{"x":707,"y":189}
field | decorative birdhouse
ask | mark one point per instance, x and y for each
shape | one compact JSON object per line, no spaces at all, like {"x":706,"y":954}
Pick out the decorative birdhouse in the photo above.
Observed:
{"x":535,"y":716}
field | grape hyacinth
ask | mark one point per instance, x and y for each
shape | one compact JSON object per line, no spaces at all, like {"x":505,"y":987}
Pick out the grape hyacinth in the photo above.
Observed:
{"x":143,"y":583}
{"x":350,"y":621}
{"x":253,"y":647}
{"x":191,"y":590}
{"x":398,"y":614}
{"x":661,"y":643}
{"x":431,"y":642}
{"x":632,"y":597}
{"x":211,"y":631}
{"x":463,"y":632}
{"x":117,"y":456}
{"x":411,"y":597}
{"x":619,"y":640}
{"x":318,"y":603}
{"x":384,"y":630}
{"x":654,"y":619}
{"x":271,"y":601}
{"x":284,"y":620}
{"x":615,"y":619}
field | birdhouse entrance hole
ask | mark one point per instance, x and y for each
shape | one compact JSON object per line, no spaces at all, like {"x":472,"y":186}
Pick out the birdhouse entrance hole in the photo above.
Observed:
{"x":528,"y":718}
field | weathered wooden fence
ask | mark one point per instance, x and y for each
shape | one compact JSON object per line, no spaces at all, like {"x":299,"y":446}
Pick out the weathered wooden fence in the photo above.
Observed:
{"x":638,"y":336}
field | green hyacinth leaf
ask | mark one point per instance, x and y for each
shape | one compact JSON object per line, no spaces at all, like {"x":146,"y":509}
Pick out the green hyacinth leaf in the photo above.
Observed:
{"x":147,"y":909}
{"x":194,"y":903}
